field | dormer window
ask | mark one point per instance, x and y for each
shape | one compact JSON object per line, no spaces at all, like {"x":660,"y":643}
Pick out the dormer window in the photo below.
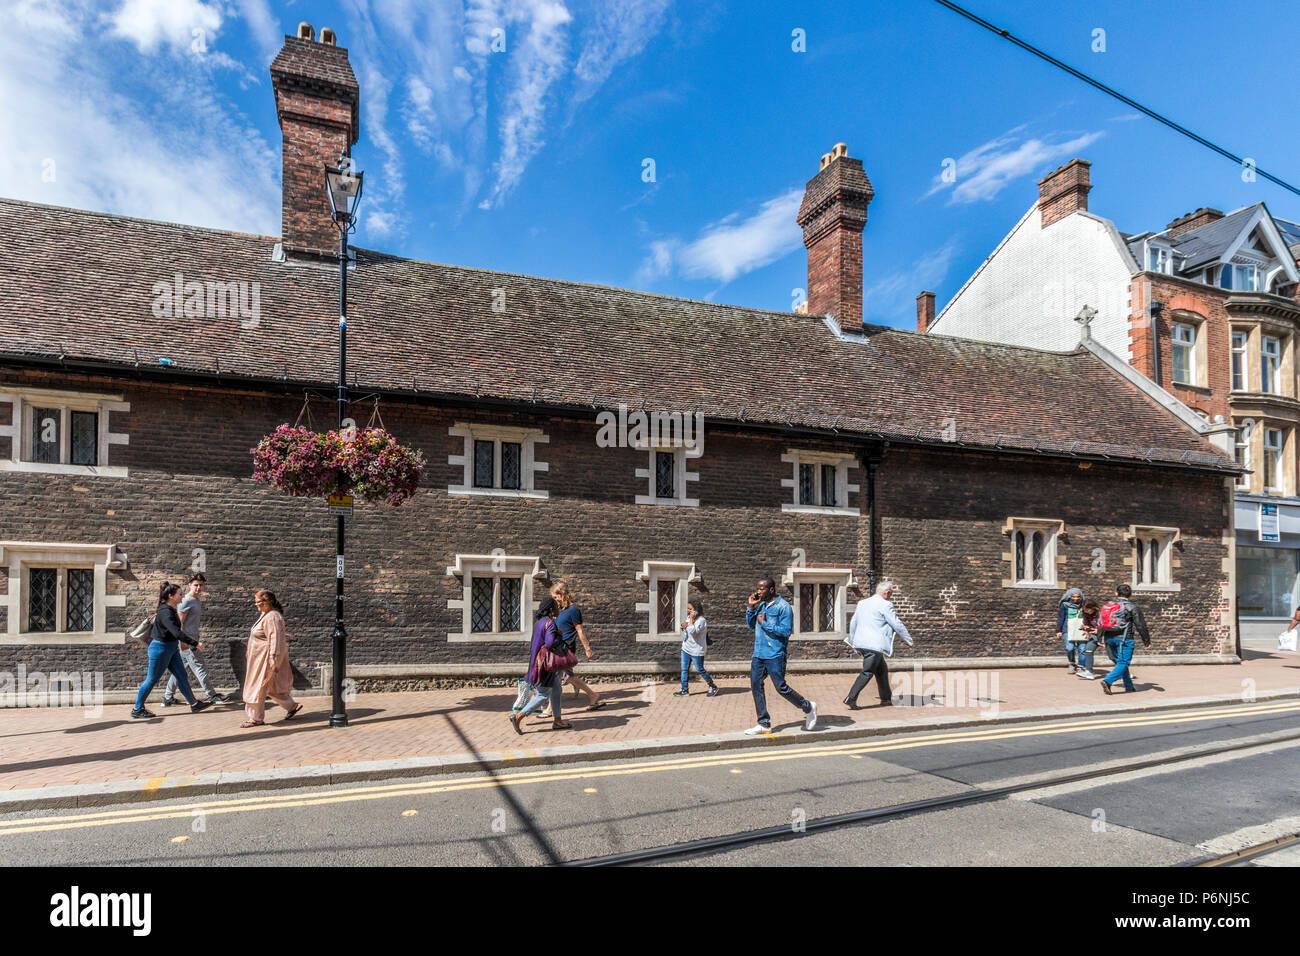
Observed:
{"x":1160,"y":259}
{"x":1239,"y":278}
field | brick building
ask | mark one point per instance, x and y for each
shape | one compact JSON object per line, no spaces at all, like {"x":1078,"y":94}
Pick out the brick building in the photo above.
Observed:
{"x":1205,"y":309}
{"x":141,"y":361}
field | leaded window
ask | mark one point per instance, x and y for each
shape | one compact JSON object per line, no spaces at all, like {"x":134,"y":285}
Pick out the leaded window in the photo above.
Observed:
{"x":511,"y":590}
{"x":825,"y":607}
{"x":828,"y":486}
{"x":81,"y":599}
{"x":807,"y":606}
{"x":666,"y":606}
{"x":480,"y":600}
{"x":85,"y":438}
{"x":42,"y":599}
{"x":484,"y":464}
{"x":511,"y":457}
{"x":1034,"y":552}
{"x":46,"y":439}
{"x":807,"y":495}
{"x":665,"y":474}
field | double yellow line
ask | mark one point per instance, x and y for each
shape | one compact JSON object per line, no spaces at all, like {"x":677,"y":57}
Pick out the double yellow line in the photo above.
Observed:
{"x":522,"y":777}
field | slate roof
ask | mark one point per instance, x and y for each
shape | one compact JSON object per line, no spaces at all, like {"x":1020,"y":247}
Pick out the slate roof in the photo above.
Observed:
{"x":80,"y":287}
{"x":1202,"y":245}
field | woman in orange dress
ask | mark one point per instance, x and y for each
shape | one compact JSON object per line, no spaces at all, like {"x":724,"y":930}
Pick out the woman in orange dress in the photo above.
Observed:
{"x":268,"y":672}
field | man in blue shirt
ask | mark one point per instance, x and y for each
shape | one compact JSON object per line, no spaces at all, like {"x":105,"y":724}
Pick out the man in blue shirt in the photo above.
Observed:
{"x":770,"y":616}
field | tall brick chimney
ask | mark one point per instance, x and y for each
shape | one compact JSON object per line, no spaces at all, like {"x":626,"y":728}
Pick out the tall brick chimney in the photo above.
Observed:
{"x":317,"y":102}
{"x":924,"y":311}
{"x":1064,"y":191}
{"x":832,"y":215}
{"x":1192,"y":220}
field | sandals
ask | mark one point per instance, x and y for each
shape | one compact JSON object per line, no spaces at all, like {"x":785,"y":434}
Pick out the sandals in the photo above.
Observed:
{"x":596,"y":706}
{"x":562,"y":725}
{"x":290,"y":715}
{"x":514,"y":722}
{"x":253,"y":723}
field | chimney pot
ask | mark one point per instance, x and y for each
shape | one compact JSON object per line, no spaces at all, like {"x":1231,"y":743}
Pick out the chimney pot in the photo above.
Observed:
{"x":305,"y":31}
{"x":327,"y":36}
{"x":924,"y":311}
{"x":832,"y":215}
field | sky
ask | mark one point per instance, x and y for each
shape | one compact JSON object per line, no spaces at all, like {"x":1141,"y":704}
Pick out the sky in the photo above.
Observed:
{"x":654,"y":144}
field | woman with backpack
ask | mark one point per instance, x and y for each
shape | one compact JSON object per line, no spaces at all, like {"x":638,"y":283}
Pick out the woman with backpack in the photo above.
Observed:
{"x":165,"y":636}
{"x":695,"y":639}
{"x":547,"y":667}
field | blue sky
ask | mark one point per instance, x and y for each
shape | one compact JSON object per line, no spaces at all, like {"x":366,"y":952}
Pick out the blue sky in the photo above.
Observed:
{"x":534,"y":160}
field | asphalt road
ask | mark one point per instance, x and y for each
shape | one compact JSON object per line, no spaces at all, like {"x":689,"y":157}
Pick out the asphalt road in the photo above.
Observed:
{"x":576,"y":811}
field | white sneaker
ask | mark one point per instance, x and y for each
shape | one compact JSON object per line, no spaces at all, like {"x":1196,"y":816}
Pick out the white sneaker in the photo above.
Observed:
{"x":758,"y":729}
{"x":1070,"y":668}
{"x":1087,"y":675}
{"x":811,"y":722}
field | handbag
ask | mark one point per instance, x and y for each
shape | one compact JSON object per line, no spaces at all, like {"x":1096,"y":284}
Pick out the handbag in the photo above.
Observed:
{"x":1286,"y":641}
{"x":144,"y":630}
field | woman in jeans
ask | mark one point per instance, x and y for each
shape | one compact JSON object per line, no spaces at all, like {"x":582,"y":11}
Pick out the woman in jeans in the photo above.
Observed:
{"x":164,"y":651}
{"x":546,"y":684}
{"x":695,"y":640}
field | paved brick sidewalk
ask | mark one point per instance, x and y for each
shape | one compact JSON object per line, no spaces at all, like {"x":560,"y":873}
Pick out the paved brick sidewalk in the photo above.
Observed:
{"x":63,"y":746}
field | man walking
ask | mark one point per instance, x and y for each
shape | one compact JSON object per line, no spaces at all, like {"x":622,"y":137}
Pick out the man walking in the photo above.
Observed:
{"x":872,"y":633}
{"x":1119,"y":620}
{"x":772,"y":620}
{"x":191,"y":611}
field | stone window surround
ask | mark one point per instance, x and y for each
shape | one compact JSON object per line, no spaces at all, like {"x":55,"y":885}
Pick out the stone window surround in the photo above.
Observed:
{"x":501,"y":565}
{"x":19,"y":556}
{"x":652,"y":572}
{"x":529,"y":466}
{"x":1168,"y":537}
{"x":23,"y":400}
{"x":842,"y":461}
{"x":682,"y":475}
{"x":1199,"y":358}
{"x":839,"y":575}
{"x":1055,"y":528}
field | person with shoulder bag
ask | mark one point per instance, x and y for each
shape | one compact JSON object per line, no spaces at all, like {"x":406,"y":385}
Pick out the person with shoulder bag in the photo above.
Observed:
{"x":695,"y":641}
{"x":548,"y":662}
{"x":164,"y":652}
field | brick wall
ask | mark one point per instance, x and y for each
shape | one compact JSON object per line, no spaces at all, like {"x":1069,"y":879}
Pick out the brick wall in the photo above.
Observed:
{"x":941,"y":539}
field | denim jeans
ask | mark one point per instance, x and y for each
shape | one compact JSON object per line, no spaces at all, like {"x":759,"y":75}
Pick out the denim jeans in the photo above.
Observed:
{"x":192,"y":658}
{"x":164,"y":656}
{"x":761,"y":668}
{"x":1121,"y":652}
{"x":1070,"y":647}
{"x":698,"y":661}
{"x":1086,"y":655}
{"x":552,"y":687}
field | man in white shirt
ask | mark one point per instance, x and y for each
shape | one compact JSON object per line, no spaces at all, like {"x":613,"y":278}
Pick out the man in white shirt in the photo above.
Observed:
{"x":872,"y":632}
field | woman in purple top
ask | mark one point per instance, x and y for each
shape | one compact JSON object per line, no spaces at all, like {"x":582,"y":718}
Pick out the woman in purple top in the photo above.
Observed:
{"x":545,"y":636}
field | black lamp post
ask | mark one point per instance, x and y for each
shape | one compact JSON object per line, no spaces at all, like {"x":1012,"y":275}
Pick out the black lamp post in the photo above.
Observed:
{"x":343,"y":183}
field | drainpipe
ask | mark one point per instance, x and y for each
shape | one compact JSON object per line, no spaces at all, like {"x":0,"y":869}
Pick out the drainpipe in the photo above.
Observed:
{"x":871,"y":458}
{"x":1156,"y":308}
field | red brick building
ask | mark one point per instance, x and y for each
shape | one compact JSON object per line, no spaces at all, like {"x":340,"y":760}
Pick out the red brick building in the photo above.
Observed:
{"x":141,"y":361}
{"x":1205,"y":309}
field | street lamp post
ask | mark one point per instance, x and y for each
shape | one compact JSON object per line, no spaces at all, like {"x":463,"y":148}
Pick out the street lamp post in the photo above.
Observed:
{"x":343,"y":183}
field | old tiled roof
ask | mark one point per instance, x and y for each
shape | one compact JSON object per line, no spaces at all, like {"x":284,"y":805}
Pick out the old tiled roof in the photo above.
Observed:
{"x":82,"y":286}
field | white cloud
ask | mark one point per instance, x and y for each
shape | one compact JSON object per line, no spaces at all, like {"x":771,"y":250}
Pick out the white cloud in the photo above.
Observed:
{"x":86,"y":126}
{"x":732,"y":246}
{"x":989,"y":168}
{"x":534,"y":66}
{"x":619,"y":30}
{"x":176,"y":23}
{"x":891,"y":300}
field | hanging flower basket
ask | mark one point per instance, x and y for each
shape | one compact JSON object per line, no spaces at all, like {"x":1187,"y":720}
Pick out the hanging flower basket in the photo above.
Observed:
{"x":367,"y":463}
